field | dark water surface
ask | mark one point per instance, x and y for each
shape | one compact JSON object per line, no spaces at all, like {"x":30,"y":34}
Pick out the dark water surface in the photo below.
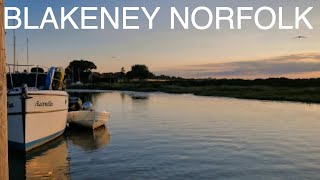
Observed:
{"x":162,"y":136}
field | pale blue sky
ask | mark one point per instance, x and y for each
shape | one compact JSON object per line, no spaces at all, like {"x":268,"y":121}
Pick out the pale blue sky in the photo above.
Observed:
{"x":162,"y":49}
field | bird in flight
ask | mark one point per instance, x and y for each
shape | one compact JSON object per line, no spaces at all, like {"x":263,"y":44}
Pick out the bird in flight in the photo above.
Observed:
{"x":114,"y":58}
{"x":300,"y":37}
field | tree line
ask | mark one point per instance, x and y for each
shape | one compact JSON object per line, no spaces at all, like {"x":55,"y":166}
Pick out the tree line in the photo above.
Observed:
{"x":81,"y":70}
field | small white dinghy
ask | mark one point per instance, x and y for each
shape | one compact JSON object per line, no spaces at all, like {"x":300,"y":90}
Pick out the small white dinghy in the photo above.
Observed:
{"x":88,"y":118}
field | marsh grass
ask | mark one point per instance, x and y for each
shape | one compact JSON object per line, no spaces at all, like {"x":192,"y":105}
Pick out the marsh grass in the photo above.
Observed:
{"x":276,"y":90}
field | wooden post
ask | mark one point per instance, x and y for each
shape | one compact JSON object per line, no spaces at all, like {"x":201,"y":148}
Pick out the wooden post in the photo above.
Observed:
{"x":4,"y":174}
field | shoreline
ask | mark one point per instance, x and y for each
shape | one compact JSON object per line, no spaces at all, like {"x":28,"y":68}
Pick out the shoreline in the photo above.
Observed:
{"x":155,"y":92}
{"x":267,"y":93}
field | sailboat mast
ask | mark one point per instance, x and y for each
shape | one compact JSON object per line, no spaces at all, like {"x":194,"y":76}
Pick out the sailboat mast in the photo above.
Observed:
{"x":14,"y":51}
{"x":28,"y":54}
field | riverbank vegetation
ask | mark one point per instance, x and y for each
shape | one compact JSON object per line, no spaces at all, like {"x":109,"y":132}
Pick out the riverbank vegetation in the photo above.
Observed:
{"x":299,"y":90}
{"x":140,"y":79}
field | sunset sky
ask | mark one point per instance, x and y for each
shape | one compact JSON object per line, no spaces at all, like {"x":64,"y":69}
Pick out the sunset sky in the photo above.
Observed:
{"x":246,"y":53}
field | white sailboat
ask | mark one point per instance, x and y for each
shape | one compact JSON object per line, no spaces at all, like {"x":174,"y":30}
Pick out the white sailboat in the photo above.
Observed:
{"x":36,"y":114}
{"x":37,"y":107}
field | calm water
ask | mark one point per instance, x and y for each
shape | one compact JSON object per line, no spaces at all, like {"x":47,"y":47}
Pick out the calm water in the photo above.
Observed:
{"x":162,"y":136}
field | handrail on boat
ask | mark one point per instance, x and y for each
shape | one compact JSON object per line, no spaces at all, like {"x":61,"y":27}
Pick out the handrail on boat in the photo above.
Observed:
{"x":27,"y":65}
{"x":21,"y":65}
{"x":37,"y":73}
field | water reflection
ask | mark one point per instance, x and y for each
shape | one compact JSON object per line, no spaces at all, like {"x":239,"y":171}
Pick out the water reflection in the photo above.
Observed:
{"x":89,"y":139}
{"x":188,"y":137}
{"x":48,"y":161}
{"x":52,"y":161}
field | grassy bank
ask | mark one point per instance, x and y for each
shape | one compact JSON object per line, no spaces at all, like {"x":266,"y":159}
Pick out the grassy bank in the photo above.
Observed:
{"x":307,"y":91}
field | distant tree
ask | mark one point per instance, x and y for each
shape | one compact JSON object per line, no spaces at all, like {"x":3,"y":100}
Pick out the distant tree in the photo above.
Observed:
{"x":34,"y":70}
{"x":122,"y":74}
{"x":82,"y":65}
{"x":80,"y":69}
{"x":139,"y":71}
{"x":123,"y":70}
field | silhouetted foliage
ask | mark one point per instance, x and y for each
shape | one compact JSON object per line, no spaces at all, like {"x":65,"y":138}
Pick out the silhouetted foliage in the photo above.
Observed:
{"x":121,"y":74}
{"x":80,"y":70}
{"x":82,"y":65}
{"x":123,"y":70}
{"x":165,"y":77}
{"x":139,"y":71}
{"x":280,"y":89}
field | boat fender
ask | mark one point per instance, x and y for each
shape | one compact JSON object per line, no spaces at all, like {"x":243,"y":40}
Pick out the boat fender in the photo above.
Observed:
{"x":24,"y":90}
{"x":57,"y":83}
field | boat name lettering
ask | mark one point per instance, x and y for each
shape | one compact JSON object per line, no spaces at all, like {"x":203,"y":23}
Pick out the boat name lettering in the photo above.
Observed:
{"x":49,"y":103}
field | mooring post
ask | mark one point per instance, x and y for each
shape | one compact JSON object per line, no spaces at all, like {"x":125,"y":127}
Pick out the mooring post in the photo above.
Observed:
{"x":4,"y":171}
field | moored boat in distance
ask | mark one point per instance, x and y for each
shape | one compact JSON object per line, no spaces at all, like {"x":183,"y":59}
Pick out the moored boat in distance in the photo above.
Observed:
{"x":37,"y":108}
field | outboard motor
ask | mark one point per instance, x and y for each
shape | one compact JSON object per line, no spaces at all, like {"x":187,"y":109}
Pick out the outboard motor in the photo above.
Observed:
{"x":87,"y":106}
{"x":75,"y":104}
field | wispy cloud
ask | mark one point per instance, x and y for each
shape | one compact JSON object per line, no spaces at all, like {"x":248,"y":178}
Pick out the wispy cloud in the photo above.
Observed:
{"x":295,"y":65}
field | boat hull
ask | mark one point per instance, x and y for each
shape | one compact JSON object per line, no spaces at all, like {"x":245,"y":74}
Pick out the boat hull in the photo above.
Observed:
{"x":36,"y":119}
{"x":88,"y":119}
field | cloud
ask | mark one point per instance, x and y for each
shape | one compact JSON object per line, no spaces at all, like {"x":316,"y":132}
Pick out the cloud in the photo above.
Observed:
{"x":295,"y":65}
